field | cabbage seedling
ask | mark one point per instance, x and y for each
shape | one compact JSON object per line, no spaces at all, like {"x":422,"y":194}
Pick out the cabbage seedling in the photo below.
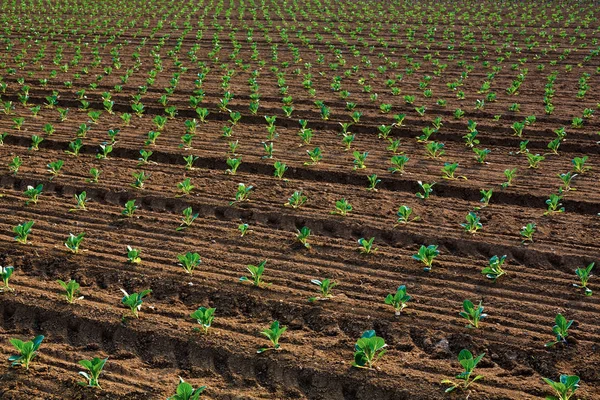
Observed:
{"x":5,"y":274}
{"x":554,"y":205}
{"x":315,"y":156}
{"x":560,"y":330}
{"x":35,"y":142}
{"x":448,"y":170}
{"x":398,"y":163}
{"x":566,"y":179}
{"x":33,"y":193}
{"x":359,"y":160}
{"x":435,"y":149}
{"x":71,"y":290}
{"x":145,"y":155}
{"x":23,"y":230}
{"x":242,"y":193}
{"x":274,"y":333}
{"x":134,"y":301}
{"x":296,"y":200}
{"x":494,"y":270}
{"x":94,"y":367}
{"x":465,"y":358}
{"x":188,"y":218}
{"x":342,"y":207}
{"x":129,"y":209}
{"x":527,"y":232}
{"x":472,"y":225}
{"x":565,"y":388}
{"x":189,"y":261}
{"x":256,"y":273}
{"x":233,"y":164}
{"x":14,"y":165}
{"x":280,"y":169}
{"x":426,"y":255}
{"x":139,"y":178}
{"x":472,"y":314}
{"x":81,"y":199}
{"x":534,"y":160}
{"x":404,"y":215}
{"x":398,"y":300}
{"x":243,"y":228}
{"x":133,"y":255}
{"x":368,"y":350}
{"x":105,"y":150}
{"x":579,"y":165}
{"x":481,"y":154}
{"x":27,"y":351}
{"x":373,"y":181}
{"x":584,"y":275}
{"x":95,"y":173}
{"x":189,"y":161}
{"x":427,"y":188}
{"x":325,"y":287}
{"x":302,"y":236}
{"x":510,"y":175}
{"x":73,"y":242}
{"x":185,"y":186}
{"x":204,"y":316}
{"x":366,"y":246}
{"x":486,"y":196}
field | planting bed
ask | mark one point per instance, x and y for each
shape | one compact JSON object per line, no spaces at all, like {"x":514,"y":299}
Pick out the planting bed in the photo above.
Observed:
{"x":147,"y":356}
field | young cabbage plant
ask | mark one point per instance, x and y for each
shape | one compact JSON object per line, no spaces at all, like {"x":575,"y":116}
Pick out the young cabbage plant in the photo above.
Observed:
{"x":242,"y":193}
{"x":81,"y":200}
{"x":325,"y":287}
{"x":129,"y":209}
{"x":494,"y":270}
{"x":133,"y":255}
{"x":189,"y":261}
{"x":359,"y":160}
{"x":33,"y":194}
{"x":366,"y":246}
{"x":302,"y":235}
{"x":256,"y":273}
{"x":205,"y":317}
{"x":315,"y":156}
{"x":579,"y":165}
{"x":527,"y":232}
{"x":233,"y":164}
{"x":584,"y":275}
{"x":274,"y":333}
{"x":188,"y":218}
{"x":71,"y":290}
{"x":23,"y":230}
{"x":427,"y":188}
{"x":398,"y":162}
{"x":398,"y":300}
{"x":368,"y":350}
{"x":189,"y":161}
{"x":14,"y":165}
{"x":342,"y":207}
{"x":27,"y":351}
{"x":565,"y":388}
{"x":74,"y":241}
{"x":5,"y":274}
{"x":185,"y":186}
{"x":426,"y":255}
{"x":296,"y":200}
{"x":554,"y":204}
{"x":373,"y":181}
{"x":55,"y":167}
{"x":95,"y":173}
{"x":449,"y":169}
{"x":94,"y":368}
{"x":243,"y":229}
{"x":510,"y":175}
{"x":139,"y":178}
{"x":465,"y":358}
{"x":534,"y":160}
{"x":560,"y":330}
{"x":486,"y":195}
{"x":404,"y":215}
{"x":473,"y":314}
{"x":472,"y":225}
{"x":280,"y":169}
{"x":566,"y":180}
{"x":134,"y":301}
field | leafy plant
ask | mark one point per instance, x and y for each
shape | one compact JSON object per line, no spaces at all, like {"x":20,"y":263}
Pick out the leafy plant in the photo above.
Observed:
{"x":23,"y":230}
{"x":95,"y":173}
{"x":426,"y":255}
{"x":204,"y":316}
{"x":302,"y":235}
{"x":584,"y":275}
{"x":274,"y":333}
{"x":185,"y":391}
{"x":560,"y":329}
{"x":527,"y":232}
{"x":449,"y":169}
{"x":359,"y":160}
{"x":133,"y":255}
{"x":565,"y":388}
{"x":134,"y":301}
{"x":342,"y":207}
{"x":33,"y":193}
{"x":27,"y":351}
{"x":242,"y":193}
{"x":14,"y":165}
{"x":325,"y":287}
{"x":280,"y":169}
{"x":256,"y":273}
{"x":494,"y":270}
{"x":296,"y":200}
{"x":243,"y":228}
{"x":139,"y":178}
{"x":186,"y":186}
{"x":435,"y":149}
{"x":472,"y":314}
{"x":35,"y":142}
{"x":486,"y":195}
{"x":5,"y":274}
{"x":554,"y":204}
{"x":465,"y":358}
{"x":366,"y":246}
{"x":510,"y":175}
{"x":94,"y":367}
{"x":129,"y":209}
{"x":579,"y":165}
{"x":398,"y":300}
{"x":81,"y":200}
{"x":71,"y":290}
{"x":398,"y":162}
{"x":315,"y":156}
{"x":368,"y":350}
{"x":189,"y":261}
{"x":534,"y":160}
{"x":188,"y":218}
{"x":233,"y":164}
{"x":404,"y":215}
{"x":73,"y":242}
{"x":427,"y":188}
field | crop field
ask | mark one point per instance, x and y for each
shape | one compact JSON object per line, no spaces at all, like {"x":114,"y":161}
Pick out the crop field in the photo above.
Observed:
{"x":319,"y":199}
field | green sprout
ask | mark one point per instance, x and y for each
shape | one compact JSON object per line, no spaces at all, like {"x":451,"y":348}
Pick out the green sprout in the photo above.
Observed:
{"x":27,"y":351}
{"x":565,"y":388}
{"x":71,"y":290}
{"x":274,"y":333}
{"x":494,"y":270}
{"x":94,"y":368}
{"x":134,"y":301}
{"x":472,"y":314}
{"x":426,"y":255}
{"x":325,"y":287}
{"x":256,"y":273}
{"x":189,"y":261}
{"x":368,"y":350}
{"x":204,"y":316}
{"x":560,"y":330}
{"x":465,"y":358}
{"x":584,"y":275}
{"x":398,"y":300}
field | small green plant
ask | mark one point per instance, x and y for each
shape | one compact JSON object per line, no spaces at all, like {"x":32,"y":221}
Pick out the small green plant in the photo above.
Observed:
{"x":527,"y":232}
{"x":189,"y":261}
{"x":398,"y":300}
{"x":296,"y":200}
{"x":426,"y":255}
{"x":302,"y":235}
{"x":510,"y":175}
{"x":33,"y":193}
{"x":435,"y":149}
{"x":35,"y":142}
{"x":139,"y":178}
{"x":71,"y":290}
{"x":280,"y":169}
{"x":81,"y":200}
{"x":472,"y":223}
{"x":94,"y":368}
{"x":188,"y":218}
{"x":274,"y":333}
{"x":185,"y":186}
{"x":534,"y":160}
{"x":359,"y":160}
{"x":14,"y":165}
{"x":449,"y":169}
{"x":185,"y":391}
{"x":465,"y":358}
{"x":23,"y":230}
{"x":325,"y":287}
{"x":5,"y":274}
{"x":494,"y":270}
{"x":189,"y":161}
{"x":481,"y":154}
{"x":554,"y":204}
{"x":368,"y":350}
{"x":342,"y":207}
{"x":243,"y":229}
{"x":373,"y":181}
{"x":473,"y":314}
{"x":95,"y":173}
{"x":579,"y":165}
{"x":366,"y":246}
{"x":560,"y":330}
{"x":74,"y":147}
{"x":242,"y":193}
{"x":404,"y":215}
{"x":584,"y":275}
{"x":105,"y":150}
{"x":398,"y":162}
{"x":256,"y":273}
{"x":205,"y":317}
{"x":315,"y":156}
{"x":565,"y":388}
{"x":133,"y":255}
{"x":134,"y":301}
{"x":27,"y":351}
{"x":233,"y":164}
{"x":129,"y":209}
{"x":427,"y":188}
{"x":566,"y":180}
{"x":74,"y":241}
